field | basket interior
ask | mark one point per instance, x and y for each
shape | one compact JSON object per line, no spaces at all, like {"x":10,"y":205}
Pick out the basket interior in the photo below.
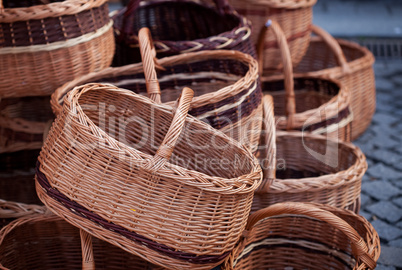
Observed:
{"x":143,"y":127}
{"x":178,"y":21}
{"x":310,"y":93}
{"x":55,"y":244}
{"x":320,"y":56}
{"x":28,"y":108}
{"x":27,"y":3}
{"x":295,"y":162}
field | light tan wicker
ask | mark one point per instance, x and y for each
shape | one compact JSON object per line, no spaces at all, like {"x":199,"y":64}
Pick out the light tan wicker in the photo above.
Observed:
{"x":309,"y":168}
{"x":352,"y":65}
{"x":306,"y":236}
{"x":47,"y":242}
{"x":23,"y":122}
{"x":43,"y":46}
{"x":295,"y":18}
{"x":306,"y":103}
{"x":111,"y":166}
{"x":227,"y":91}
{"x":11,"y":210}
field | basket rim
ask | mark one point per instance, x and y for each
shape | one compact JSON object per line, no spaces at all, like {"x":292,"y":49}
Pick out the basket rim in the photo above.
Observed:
{"x":285,"y":4}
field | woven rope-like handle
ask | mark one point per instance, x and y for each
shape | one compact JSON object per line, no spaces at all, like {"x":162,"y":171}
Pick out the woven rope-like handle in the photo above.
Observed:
{"x":149,"y":62}
{"x":165,"y":150}
{"x":88,"y":262}
{"x":269,"y":142}
{"x":335,"y":47}
{"x":287,"y":66}
{"x":359,"y":247}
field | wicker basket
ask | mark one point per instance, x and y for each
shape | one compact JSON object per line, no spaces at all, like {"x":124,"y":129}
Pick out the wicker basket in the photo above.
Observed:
{"x":294,"y":17}
{"x":309,"y":168}
{"x":307,"y":103}
{"x":43,"y":46}
{"x":180,"y":26}
{"x":47,"y":242}
{"x":174,"y":205}
{"x":228,"y":94}
{"x":23,"y":122}
{"x":306,"y":236}
{"x":352,"y":65}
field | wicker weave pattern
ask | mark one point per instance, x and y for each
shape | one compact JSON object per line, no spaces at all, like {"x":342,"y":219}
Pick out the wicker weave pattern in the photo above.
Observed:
{"x":310,"y":236}
{"x":295,"y":19}
{"x":180,"y":27}
{"x":188,"y":215}
{"x":351,"y":64}
{"x":301,"y":176}
{"x":38,"y":53}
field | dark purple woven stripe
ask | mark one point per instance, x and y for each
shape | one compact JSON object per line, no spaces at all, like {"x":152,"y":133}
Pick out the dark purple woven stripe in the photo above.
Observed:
{"x":53,"y":29}
{"x":341,"y":115}
{"x":81,"y":211}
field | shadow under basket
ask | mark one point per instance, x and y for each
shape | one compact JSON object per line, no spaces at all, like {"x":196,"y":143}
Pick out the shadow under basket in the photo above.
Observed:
{"x":48,"y":242}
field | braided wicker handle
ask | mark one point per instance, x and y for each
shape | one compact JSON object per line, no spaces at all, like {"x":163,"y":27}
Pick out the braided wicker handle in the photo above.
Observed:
{"x":268,"y":139}
{"x":88,"y":262}
{"x":359,"y":247}
{"x":149,"y":62}
{"x":165,"y":150}
{"x":287,"y":66}
{"x":335,"y":47}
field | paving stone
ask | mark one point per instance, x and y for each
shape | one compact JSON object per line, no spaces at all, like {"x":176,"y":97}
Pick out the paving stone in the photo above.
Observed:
{"x":380,"y":170}
{"x":384,"y":267}
{"x":380,"y":189}
{"x":366,"y":215}
{"x":391,"y":256}
{"x":397,"y":182}
{"x":386,"y":211}
{"x":397,"y":80}
{"x":396,"y":243}
{"x":399,"y":224}
{"x":385,"y":141}
{"x":398,"y":201}
{"x":386,"y":231}
{"x":385,"y":156}
{"x":384,"y":119}
{"x":384,"y":84}
{"x":365,"y":199}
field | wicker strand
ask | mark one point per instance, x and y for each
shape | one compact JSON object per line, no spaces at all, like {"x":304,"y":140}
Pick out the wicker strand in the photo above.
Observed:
{"x":287,"y":67}
{"x":88,"y":262}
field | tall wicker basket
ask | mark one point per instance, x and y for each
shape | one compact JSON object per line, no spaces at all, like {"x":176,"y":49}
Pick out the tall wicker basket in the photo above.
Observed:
{"x":309,"y":168}
{"x":43,"y":46}
{"x":294,"y":17}
{"x":306,"y":236}
{"x":307,"y":103}
{"x":349,"y":63}
{"x":227,"y":90}
{"x":180,"y":26}
{"x":169,"y":189}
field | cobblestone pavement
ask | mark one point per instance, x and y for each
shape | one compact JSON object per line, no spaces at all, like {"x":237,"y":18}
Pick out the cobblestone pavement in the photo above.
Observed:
{"x":382,"y":184}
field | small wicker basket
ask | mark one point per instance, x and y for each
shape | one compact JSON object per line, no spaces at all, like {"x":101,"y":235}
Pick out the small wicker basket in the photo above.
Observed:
{"x":180,"y":26}
{"x":309,"y":168}
{"x":44,"y":44}
{"x":294,"y":17}
{"x":306,"y":236}
{"x":307,"y":103}
{"x":349,"y":63}
{"x":149,"y":182}
{"x":226,"y":84}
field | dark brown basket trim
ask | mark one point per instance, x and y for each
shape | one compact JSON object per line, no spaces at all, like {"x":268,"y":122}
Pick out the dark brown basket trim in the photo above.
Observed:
{"x":81,"y":211}
{"x":343,"y":114}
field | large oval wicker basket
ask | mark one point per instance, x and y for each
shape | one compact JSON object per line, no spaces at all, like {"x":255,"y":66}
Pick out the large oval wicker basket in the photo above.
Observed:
{"x":309,"y":168}
{"x":306,"y":103}
{"x":349,"y":63}
{"x":294,"y":17}
{"x":179,"y":26}
{"x":47,"y":242}
{"x":226,"y":85}
{"x":44,"y":44}
{"x":306,"y":236}
{"x":169,"y":189}
{"x":23,"y":122}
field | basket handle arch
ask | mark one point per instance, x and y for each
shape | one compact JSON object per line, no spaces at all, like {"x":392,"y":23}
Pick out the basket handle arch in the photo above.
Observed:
{"x":334,"y":46}
{"x":359,"y":247}
{"x":290,"y":100}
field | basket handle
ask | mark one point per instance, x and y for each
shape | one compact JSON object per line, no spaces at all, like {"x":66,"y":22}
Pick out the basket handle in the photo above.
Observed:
{"x":359,"y":247}
{"x":88,"y":262}
{"x":287,"y":66}
{"x":165,"y":150}
{"x":268,"y":140}
{"x":334,"y":46}
{"x":150,"y":62}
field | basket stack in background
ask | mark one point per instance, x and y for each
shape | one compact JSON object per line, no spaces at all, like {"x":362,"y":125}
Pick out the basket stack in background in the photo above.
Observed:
{"x":220,"y":138}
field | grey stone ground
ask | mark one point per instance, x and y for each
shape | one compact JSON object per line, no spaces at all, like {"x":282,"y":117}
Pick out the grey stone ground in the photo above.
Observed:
{"x":382,"y":184}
